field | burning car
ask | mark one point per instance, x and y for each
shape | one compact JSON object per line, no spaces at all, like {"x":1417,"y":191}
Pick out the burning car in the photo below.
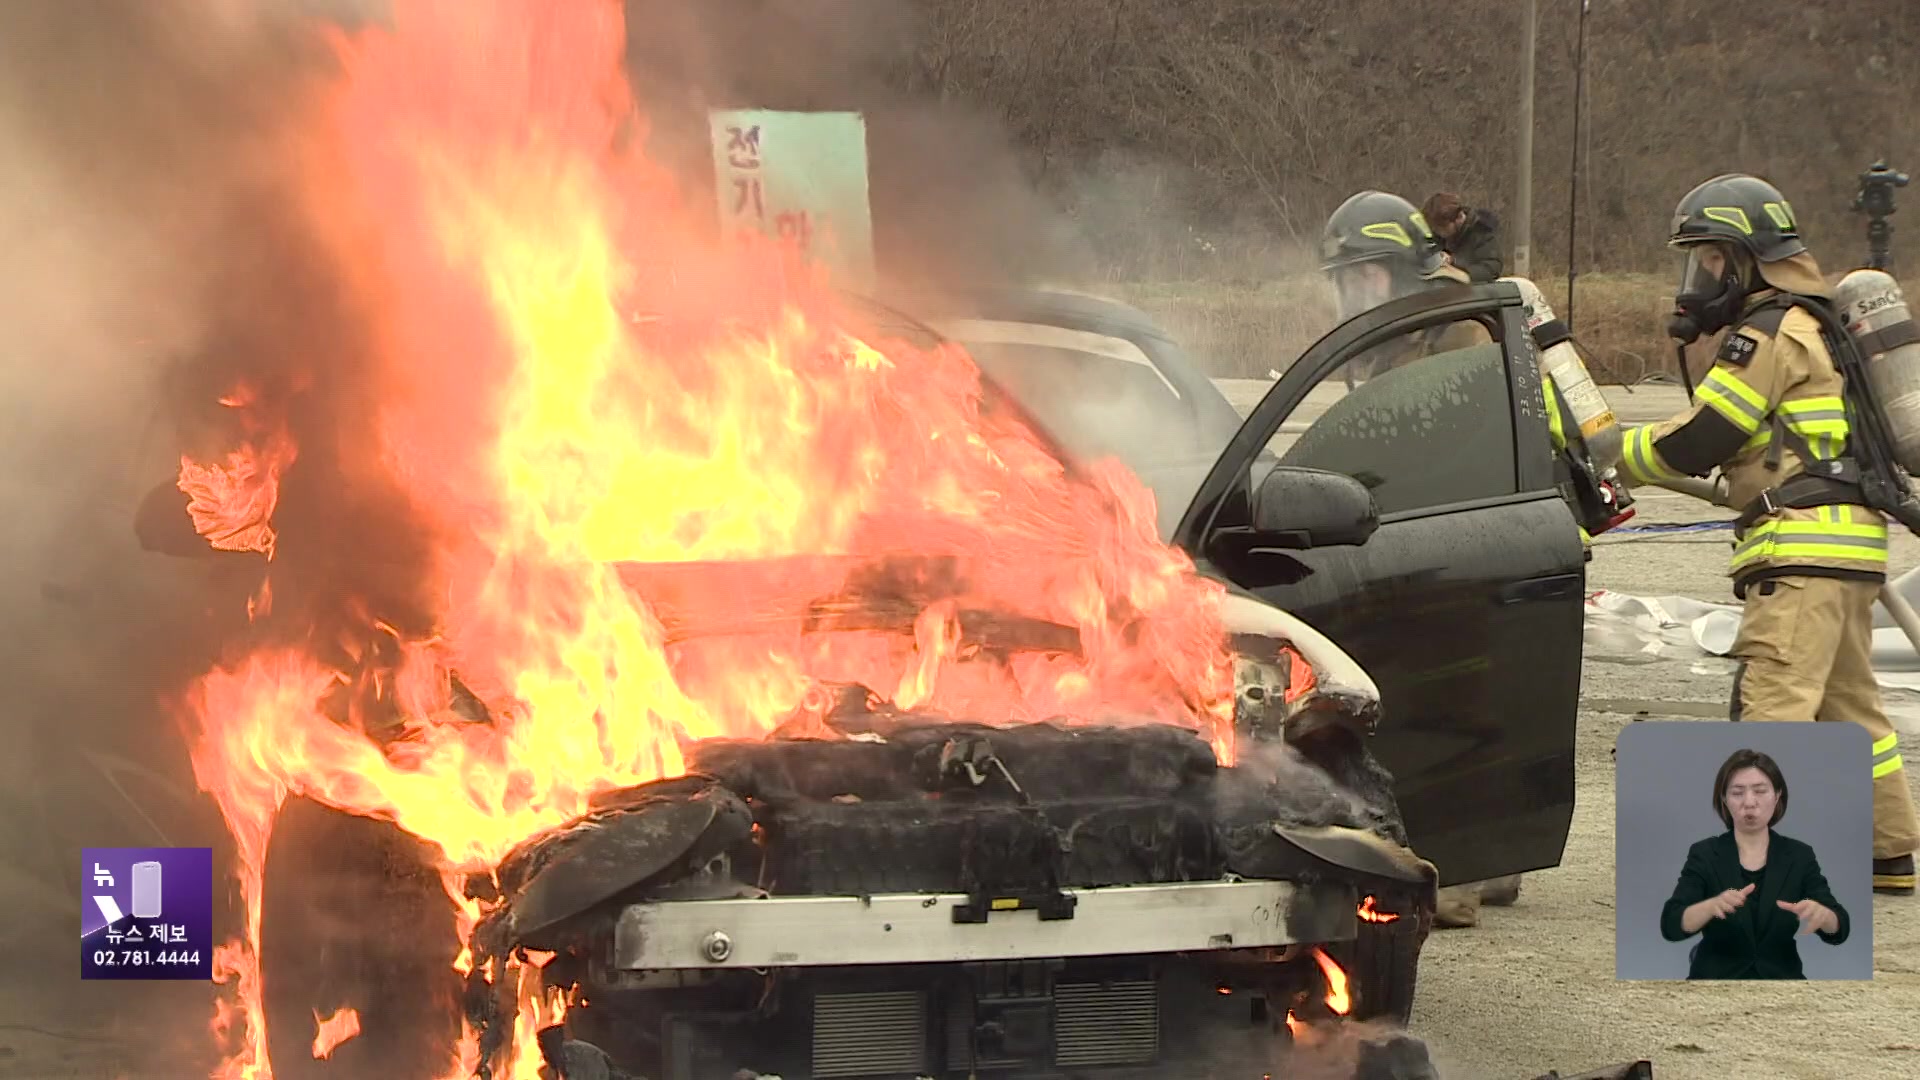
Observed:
{"x":879,"y":890}
{"x":661,"y":665}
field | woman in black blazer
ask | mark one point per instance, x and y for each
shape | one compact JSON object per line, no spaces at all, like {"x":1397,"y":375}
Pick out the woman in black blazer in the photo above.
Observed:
{"x":1750,"y":892}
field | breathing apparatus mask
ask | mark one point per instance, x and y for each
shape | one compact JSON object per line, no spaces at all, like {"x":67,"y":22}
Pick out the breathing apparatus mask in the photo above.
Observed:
{"x":1713,"y":289}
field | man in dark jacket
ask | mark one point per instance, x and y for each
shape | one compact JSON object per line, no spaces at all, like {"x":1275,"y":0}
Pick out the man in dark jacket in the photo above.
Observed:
{"x":1469,"y":236}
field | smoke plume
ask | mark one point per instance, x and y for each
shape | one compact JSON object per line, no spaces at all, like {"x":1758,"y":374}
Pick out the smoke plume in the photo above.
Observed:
{"x":154,"y":244}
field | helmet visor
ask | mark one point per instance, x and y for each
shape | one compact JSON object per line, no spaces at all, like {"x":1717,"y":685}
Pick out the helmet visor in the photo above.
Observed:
{"x":1361,"y":286}
{"x":1705,"y":274}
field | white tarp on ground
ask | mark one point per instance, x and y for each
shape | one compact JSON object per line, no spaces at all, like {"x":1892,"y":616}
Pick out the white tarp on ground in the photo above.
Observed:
{"x":1677,"y":626}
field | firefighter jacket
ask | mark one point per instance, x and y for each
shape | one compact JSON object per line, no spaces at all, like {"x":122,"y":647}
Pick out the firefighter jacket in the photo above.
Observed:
{"x":1420,"y":344}
{"x":1772,"y":396}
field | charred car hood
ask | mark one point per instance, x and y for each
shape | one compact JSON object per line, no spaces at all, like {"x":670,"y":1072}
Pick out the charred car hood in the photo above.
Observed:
{"x":934,"y":806}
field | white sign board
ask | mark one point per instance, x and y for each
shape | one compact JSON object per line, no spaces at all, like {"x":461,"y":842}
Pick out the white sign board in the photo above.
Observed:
{"x":802,"y":177}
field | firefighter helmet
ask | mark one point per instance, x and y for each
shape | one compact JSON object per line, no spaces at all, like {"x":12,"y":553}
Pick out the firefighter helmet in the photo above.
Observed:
{"x":1745,"y":210}
{"x":1374,"y":226}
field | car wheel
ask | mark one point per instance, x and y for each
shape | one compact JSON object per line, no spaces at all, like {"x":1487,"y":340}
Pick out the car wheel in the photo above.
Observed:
{"x":353,"y":915}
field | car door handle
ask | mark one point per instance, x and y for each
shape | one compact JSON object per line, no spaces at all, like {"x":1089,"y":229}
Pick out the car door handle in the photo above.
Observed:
{"x":1553,"y":587}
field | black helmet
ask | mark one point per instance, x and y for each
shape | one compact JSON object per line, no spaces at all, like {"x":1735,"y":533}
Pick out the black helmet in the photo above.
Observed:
{"x":1376,"y":226}
{"x":1743,"y":209}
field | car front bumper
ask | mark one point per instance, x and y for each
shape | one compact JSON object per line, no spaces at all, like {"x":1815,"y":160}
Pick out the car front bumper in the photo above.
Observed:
{"x":920,"y":928}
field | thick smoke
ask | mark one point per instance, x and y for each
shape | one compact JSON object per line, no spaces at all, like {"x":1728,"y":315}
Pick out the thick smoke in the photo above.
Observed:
{"x":154,"y":249}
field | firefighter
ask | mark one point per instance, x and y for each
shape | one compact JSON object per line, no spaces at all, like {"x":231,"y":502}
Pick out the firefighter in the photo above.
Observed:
{"x":1809,"y":555}
{"x":1376,"y":248}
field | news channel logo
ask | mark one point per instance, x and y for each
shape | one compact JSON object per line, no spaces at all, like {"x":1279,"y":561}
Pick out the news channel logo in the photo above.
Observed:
{"x":146,"y":913}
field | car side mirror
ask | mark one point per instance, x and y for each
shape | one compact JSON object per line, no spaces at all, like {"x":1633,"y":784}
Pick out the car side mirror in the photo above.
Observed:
{"x":1298,"y":508}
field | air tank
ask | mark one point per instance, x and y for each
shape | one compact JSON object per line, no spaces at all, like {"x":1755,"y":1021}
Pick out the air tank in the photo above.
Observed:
{"x":1560,"y":362}
{"x":1876,"y":315}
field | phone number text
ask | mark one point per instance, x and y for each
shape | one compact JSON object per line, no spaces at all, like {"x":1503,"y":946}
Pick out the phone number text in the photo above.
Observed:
{"x":144,"y":957}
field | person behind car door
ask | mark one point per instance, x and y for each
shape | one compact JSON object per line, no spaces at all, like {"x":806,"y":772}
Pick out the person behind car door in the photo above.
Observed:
{"x":1771,"y":403}
{"x":1376,"y":248}
{"x":1469,"y":235}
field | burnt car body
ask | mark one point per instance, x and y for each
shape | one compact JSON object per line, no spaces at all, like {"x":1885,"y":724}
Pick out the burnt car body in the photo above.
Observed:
{"x":884,"y":894}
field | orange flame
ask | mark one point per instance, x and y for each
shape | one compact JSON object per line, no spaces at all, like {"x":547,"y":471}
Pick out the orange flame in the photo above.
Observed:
{"x":1337,"y":1000}
{"x":579,"y":473}
{"x":1369,"y":914}
{"x":1301,"y":678}
{"x":232,"y":502}
{"x":330,"y":1032}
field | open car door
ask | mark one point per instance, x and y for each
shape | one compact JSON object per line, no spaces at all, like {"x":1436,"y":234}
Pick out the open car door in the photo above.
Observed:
{"x":1465,"y":604}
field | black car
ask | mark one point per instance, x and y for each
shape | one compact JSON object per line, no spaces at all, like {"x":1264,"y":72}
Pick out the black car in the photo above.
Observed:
{"x":875,"y":893}
{"x":1465,"y":606}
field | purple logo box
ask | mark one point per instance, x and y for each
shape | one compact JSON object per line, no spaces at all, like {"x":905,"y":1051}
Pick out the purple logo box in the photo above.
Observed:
{"x":146,"y":913}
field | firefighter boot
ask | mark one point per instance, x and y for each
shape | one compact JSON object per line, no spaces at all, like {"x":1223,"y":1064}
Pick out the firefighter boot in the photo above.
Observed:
{"x":1501,"y":891}
{"x":1458,"y":907}
{"x":1893,"y":875}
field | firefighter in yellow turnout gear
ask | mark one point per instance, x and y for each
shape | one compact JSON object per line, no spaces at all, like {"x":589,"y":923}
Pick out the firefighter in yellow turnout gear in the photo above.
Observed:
{"x":1809,"y":556}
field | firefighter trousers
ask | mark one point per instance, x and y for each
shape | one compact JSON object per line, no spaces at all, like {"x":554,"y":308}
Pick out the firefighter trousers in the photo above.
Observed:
{"x":1805,"y":650}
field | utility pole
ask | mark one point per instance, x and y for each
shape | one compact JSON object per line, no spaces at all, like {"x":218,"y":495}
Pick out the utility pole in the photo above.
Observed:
{"x":1523,"y":179}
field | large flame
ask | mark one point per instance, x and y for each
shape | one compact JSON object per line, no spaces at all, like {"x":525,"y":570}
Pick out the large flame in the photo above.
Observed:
{"x":573,"y":381}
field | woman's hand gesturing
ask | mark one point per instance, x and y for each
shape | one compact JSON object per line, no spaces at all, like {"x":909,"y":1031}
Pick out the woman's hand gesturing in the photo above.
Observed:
{"x":1813,"y":916}
{"x":1727,"y":902}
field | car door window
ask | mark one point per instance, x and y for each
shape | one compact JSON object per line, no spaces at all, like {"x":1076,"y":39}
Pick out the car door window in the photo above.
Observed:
{"x":1428,"y":423}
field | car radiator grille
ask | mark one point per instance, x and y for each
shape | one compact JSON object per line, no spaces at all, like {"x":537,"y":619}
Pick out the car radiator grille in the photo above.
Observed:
{"x":869,"y":1034}
{"x":1106,"y":1023}
{"x":884,"y":1034}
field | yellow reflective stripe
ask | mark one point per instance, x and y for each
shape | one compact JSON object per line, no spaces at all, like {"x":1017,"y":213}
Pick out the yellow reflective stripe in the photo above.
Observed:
{"x":1830,"y":403}
{"x":1554,"y":427}
{"x":1808,"y":530}
{"x":1640,"y":459}
{"x":1822,"y":421}
{"x":1743,"y":406}
{"x":1833,"y":402}
{"x":1813,"y":540}
{"x":1759,"y":439}
{"x":1792,"y":551}
{"x":1729,"y":215}
{"x":1886,"y":756}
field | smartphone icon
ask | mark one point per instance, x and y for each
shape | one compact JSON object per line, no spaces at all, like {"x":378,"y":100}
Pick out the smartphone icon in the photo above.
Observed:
{"x":146,"y":890}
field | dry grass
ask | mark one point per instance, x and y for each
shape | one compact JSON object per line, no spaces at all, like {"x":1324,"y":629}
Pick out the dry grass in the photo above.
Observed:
{"x":1243,"y":330}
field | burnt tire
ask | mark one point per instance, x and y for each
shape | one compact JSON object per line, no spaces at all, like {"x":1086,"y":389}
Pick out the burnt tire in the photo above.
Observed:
{"x":1383,"y":963}
{"x":353,"y":915}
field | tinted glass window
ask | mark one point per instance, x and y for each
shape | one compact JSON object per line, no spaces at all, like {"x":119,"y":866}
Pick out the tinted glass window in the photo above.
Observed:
{"x":1428,"y":422}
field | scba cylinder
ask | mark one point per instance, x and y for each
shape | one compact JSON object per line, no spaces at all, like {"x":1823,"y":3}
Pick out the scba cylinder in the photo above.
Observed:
{"x":1876,"y":315}
{"x":1559,"y":361}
